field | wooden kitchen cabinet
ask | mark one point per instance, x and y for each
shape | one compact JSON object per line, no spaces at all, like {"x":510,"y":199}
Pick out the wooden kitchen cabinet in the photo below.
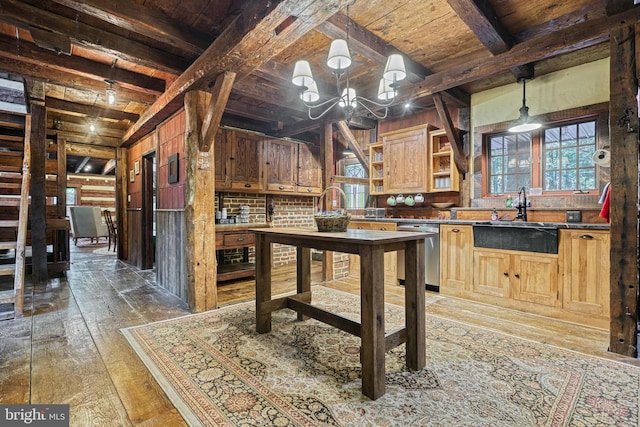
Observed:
{"x":443,"y":173}
{"x":245,"y":165}
{"x":584,"y":267}
{"x":280,"y":163}
{"x":390,"y":258}
{"x":309,"y":170}
{"x":234,"y":238}
{"x":456,"y":258}
{"x":405,"y":160}
{"x":524,"y":276}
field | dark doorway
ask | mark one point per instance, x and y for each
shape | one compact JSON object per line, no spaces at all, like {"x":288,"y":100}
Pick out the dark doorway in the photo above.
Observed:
{"x":148,"y":210}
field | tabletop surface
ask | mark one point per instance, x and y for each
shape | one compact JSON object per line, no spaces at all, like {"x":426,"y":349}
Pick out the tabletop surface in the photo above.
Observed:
{"x":350,"y":236}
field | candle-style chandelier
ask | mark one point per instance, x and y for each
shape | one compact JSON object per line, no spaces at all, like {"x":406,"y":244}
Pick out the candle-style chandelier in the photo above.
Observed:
{"x":339,"y":60}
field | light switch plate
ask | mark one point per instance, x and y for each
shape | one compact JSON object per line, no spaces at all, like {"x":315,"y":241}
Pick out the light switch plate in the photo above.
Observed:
{"x":574,"y":216}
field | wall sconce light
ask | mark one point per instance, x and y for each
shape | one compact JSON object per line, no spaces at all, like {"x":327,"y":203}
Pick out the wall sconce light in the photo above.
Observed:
{"x":110,"y":93}
{"x":92,"y":128}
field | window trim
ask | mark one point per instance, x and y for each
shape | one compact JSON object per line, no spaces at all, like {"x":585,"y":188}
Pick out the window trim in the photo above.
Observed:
{"x":598,"y":112}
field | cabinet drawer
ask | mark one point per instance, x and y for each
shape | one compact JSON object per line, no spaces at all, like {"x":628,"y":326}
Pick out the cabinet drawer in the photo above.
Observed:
{"x":237,"y":240}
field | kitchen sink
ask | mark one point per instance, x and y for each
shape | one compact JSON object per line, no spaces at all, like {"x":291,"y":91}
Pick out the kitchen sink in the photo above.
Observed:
{"x":521,"y":236}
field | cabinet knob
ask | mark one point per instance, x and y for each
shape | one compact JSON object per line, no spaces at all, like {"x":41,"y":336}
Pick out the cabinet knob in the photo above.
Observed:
{"x":281,"y":187}
{"x":506,"y":273}
{"x":383,"y":228}
{"x":240,"y":239}
{"x":359,"y":227}
{"x":247,"y":185}
{"x":586,"y":237}
{"x":309,"y":190}
{"x":456,"y":230}
{"x":517,"y":276}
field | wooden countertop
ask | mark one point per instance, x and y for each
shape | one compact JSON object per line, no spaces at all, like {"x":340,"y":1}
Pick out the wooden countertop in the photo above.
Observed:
{"x":222,"y":228}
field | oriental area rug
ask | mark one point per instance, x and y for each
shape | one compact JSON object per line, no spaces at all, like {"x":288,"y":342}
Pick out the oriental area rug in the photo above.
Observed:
{"x":218,"y":371}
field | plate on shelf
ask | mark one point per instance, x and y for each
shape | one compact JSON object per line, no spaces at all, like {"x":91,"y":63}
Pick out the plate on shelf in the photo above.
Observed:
{"x":442,"y":205}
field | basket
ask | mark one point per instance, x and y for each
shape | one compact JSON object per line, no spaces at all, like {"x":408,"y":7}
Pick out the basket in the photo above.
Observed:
{"x":335,"y":221}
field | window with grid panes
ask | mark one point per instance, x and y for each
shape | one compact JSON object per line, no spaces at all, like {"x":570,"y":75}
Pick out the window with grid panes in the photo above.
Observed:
{"x":566,"y":157}
{"x":509,"y":162}
{"x":356,"y":193}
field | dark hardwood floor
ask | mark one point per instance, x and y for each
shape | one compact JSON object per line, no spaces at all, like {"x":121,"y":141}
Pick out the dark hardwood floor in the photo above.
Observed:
{"x":68,"y":347}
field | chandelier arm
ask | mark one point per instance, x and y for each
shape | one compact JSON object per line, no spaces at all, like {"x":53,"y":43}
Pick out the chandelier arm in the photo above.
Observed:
{"x":377,"y":104}
{"x":335,"y":101}
{"x":377,"y":116}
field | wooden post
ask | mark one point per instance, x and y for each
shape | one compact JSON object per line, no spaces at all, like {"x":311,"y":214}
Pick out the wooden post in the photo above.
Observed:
{"x":328,"y":171}
{"x":122,"y":181}
{"x":623,"y":131}
{"x":38,"y":192}
{"x":199,"y":209}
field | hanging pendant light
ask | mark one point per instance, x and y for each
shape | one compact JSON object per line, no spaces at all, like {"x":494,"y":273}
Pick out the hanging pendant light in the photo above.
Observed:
{"x":524,"y":122}
{"x":110,"y":93}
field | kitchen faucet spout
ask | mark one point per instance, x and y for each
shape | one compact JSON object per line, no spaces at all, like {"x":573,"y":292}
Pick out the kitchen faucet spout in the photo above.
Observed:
{"x":521,"y":205}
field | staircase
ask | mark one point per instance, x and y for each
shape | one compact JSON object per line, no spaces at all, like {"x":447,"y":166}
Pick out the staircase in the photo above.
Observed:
{"x":15,"y":296}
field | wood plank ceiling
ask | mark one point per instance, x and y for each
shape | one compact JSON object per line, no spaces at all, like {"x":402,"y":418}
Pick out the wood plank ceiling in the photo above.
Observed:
{"x":155,"y":50}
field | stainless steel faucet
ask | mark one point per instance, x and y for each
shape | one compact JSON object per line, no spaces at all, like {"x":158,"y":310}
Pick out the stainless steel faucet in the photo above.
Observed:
{"x":521,"y":205}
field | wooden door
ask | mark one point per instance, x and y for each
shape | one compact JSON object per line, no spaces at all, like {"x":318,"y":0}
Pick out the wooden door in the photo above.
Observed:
{"x":534,"y":278}
{"x":405,"y":161}
{"x":491,"y":272}
{"x":309,"y":169}
{"x":281,"y":161}
{"x":221,"y":154}
{"x":245,"y":165}
{"x":584,"y":258}
{"x":456,"y":257}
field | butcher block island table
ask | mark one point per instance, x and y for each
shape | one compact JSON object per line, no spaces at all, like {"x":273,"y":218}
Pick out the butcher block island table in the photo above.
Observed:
{"x":371,"y":246}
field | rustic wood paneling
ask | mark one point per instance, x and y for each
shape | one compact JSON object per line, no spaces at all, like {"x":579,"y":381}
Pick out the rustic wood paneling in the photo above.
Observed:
{"x":170,"y":256}
{"x":134,"y":236}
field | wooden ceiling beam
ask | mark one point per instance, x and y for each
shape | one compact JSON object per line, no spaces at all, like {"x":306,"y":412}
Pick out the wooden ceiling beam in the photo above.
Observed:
{"x":257,"y":34}
{"x":16,"y":12}
{"x":82,"y":164}
{"x":352,"y":143}
{"x":109,"y":166}
{"x":486,"y":25}
{"x":29,"y":53}
{"x":368,"y":44}
{"x":89,"y":110}
{"x":215,"y":109}
{"x":80,"y":126}
{"x":143,"y":20}
{"x":49,"y":75}
{"x":88,"y":138}
{"x":248,"y":109}
{"x":74,"y":149}
{"x":585,"y":34}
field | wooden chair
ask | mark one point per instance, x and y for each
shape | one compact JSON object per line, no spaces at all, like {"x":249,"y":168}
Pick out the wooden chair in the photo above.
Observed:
{"x":113,"y":231}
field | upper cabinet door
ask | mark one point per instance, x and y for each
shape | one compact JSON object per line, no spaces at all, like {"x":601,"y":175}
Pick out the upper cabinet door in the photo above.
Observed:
{"x":405,"y":161}
{"x":221,"y":160}
{"x":281,"y":159}
{"x":309,"y":170}
{"x":245,"y":165}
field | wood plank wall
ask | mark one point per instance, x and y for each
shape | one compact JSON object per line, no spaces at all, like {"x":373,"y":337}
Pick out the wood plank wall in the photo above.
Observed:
{"x":93,"y":190}
{"x":170,"y":260}
{"x":170,"y":227}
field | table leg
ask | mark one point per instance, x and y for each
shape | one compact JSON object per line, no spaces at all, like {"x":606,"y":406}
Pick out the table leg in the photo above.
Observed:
{"x":263,"y":282}
{"x":303,"y":273}
{"x":414,"y":297}
{"x":372,"y":320}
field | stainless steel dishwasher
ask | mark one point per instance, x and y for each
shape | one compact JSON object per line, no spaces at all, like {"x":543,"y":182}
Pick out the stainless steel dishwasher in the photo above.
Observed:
{"x":431,"y":254}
